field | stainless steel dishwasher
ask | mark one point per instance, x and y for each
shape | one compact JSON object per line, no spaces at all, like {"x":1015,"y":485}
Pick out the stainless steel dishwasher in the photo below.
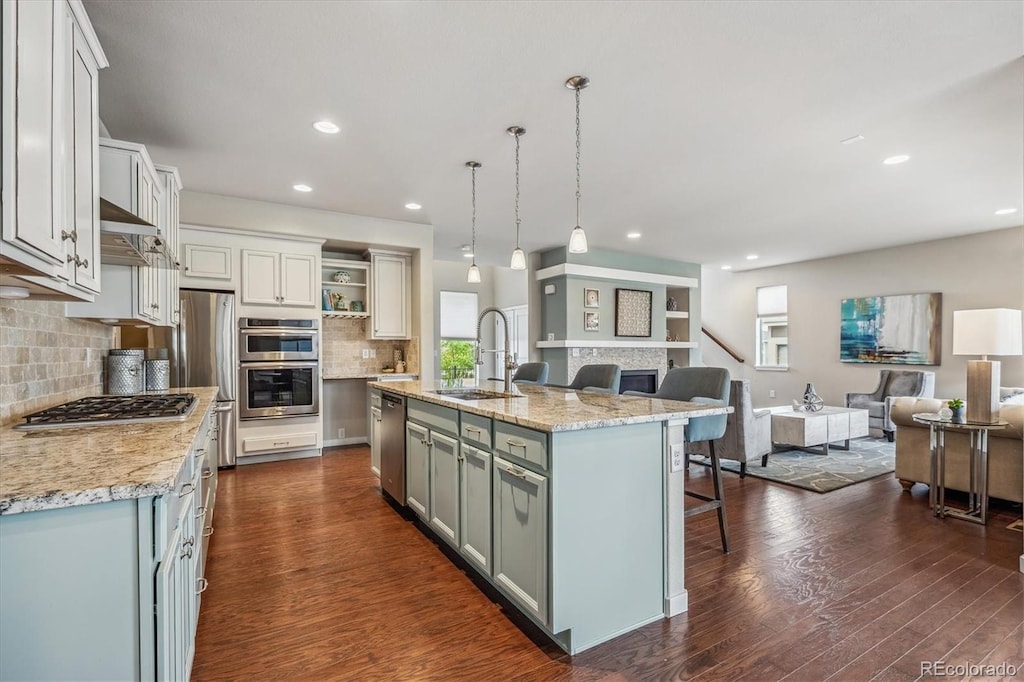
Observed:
{"x":392,"y":446}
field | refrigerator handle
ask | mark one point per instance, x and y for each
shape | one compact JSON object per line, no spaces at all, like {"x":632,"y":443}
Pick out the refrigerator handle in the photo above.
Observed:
{"x":183,"y":323}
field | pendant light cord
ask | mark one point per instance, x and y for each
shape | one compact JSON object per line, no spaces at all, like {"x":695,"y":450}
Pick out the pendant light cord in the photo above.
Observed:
{"x":517,"y":190}
{"x":474,"y":214}
{"x":578,"y":195}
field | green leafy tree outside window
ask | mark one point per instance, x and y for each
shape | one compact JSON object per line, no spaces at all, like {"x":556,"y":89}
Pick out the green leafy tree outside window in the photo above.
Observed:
{"x":457,"y":360}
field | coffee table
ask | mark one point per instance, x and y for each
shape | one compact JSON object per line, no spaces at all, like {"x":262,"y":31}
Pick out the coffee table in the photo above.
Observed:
{"x":804,"y":430}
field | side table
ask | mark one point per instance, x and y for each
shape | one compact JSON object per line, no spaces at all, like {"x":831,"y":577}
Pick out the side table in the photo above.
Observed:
{"x":977,"y":493}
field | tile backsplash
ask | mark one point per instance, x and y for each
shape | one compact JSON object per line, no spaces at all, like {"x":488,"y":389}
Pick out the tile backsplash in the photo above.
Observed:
{"x":46,"y":358}
{"x":342,"y":341}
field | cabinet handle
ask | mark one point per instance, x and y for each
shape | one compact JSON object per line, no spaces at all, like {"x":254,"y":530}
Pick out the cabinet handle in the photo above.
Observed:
{"x":190,"y":542}
{"x":208,"y":474}
{"x":72,"y":235}
{"x":208,"y":531}
{"x":154,"y":306}
{"x":202,"y":583}
{"x":199,"y":453}
{"x":187,"y":489}
{"x":472,"y":429}
{"x":85,"y":263}
{"x":515,"y":443}
{"x":281,"y":442}
{"x":518,"y":473}
{"x":200,"y":513}
{"x":461,"y":457}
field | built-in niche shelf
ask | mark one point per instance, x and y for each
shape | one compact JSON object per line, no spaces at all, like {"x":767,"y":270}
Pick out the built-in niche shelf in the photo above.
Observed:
{"x":605,"y":343}
{"x":344,"y":314}
{"x":595,"y":272}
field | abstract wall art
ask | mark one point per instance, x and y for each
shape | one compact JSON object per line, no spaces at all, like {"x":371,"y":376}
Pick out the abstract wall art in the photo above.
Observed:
{"x":903,"y":329}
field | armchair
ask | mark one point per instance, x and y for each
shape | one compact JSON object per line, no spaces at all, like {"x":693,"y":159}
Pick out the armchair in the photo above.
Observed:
{"x":892,"y":384}
{"x":748,"y":432}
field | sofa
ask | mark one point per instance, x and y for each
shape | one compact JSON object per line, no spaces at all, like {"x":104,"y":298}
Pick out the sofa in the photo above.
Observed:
{"x":892,"y":383}
{"x":1005,"y":447}
{"x":748,"y":432}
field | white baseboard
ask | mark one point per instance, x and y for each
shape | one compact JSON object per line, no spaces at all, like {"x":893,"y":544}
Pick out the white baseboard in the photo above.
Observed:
{"x":1022,"y":563}
{"x":677,"y":604}
{"x":355,"y":440}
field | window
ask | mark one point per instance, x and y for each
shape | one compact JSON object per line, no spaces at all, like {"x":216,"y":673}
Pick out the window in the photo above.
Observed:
{"x":458,"y":313}
{"x":772,"y":328}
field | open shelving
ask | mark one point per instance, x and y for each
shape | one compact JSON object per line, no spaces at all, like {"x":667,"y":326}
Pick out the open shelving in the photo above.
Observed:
{"x":356,"y":289}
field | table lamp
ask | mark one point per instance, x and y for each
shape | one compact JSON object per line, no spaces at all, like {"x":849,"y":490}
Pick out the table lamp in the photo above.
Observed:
{"x":991,"y":331}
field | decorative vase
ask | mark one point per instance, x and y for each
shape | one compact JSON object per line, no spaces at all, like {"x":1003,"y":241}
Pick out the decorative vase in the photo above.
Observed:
{"x":945,"y":413}
{"x":342,"y":277}
{"x":959,"y":414}
{"x":812,"y":401}
{"x":671,"y":304}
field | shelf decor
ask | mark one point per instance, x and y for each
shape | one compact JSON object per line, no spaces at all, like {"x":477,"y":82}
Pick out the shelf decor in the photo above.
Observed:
{"x":591,"y":322}
{"x":591,"y":298}
{"x":633,"y":312}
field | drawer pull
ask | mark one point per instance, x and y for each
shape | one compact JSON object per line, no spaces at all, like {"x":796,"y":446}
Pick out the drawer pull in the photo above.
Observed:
{"x":518,"y":473}
{"x":515,"y":443}
{"x":208,"y":531}
{"x":472,"y":429}
{"x":208,"y":474}
{"x":190,"y":542}
{"x":281,"y":442}
{"x":202,"y":584}
{"x":187,"y":489}
{"x":201,"y":512}
{"x":200,"y":453}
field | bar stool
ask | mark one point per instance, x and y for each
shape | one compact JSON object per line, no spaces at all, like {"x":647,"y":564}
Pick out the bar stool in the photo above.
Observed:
{"x":709,"y":386}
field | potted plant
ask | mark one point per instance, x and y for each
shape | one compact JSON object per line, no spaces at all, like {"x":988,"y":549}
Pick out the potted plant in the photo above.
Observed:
{"x":956,"y":405}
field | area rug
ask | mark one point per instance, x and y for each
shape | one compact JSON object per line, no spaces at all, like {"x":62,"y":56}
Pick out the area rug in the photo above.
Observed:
{"x":867,"y":458}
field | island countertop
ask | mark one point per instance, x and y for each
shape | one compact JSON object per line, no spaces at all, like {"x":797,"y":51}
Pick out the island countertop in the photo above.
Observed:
{"x":72,"y":466}
{"x":551,"y":409}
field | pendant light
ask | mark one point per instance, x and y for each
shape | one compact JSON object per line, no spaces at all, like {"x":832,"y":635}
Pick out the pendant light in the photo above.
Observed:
{"x":473,"y":277}
{"x":518,"y":257}
{"x":578,"y":238}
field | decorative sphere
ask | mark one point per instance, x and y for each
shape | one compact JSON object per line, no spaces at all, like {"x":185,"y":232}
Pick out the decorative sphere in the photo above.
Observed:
{"x":343,"y":276}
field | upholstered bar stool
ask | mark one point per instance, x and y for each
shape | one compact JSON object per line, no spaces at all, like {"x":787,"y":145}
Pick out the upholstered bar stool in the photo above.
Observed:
{"x":597,"y":378}
{"x":709,"y":386}
{"x":531,"y":373}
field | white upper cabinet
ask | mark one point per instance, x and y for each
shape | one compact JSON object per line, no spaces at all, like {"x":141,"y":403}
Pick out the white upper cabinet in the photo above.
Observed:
{"x":279,"y":279}
{"x":168,"y":229}
{"x":390,"y":292}
{"x":50,"y":212}
{"x":128,"y":178}
{"x":207,"y":261}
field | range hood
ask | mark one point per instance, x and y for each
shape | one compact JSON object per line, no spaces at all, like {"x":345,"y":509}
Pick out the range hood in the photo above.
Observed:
{"x":123,"y":236}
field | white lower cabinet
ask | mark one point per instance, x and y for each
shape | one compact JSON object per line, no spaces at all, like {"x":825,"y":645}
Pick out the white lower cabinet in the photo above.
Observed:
{"x":375,"y":440}
{"x":176,"y":607}
{"x":520,"y":536}
{"x":475,"y":507}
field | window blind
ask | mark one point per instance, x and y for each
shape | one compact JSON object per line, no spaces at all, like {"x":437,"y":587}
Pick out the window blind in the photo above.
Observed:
{"x":458,"y":315}
{"x":771,"y":300}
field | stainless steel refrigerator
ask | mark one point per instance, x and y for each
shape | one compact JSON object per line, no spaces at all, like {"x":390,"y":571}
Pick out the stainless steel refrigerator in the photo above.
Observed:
{"x":202,"y":351}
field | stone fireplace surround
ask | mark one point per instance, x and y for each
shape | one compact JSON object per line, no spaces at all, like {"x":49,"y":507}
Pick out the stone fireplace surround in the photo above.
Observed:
{"x":626,"y":358}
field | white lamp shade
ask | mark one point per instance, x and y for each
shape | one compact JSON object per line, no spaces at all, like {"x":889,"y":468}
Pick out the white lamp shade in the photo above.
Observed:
{"x":578,"y":240}
{"x":518,"y":259}
{"x":990,"y":331}
{"x":473,"y":276}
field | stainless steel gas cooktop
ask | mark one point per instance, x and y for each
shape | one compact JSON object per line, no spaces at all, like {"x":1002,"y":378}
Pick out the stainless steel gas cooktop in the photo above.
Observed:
{"x":113,"y":409}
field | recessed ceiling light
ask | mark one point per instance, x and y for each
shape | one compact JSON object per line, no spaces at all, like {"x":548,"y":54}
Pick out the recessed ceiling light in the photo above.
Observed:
{"x":413,"y":206}
{"x":468,"y":254}
{"x":851,"y":140}
{"x":326,"y":127}
{"x":1006,"y":211}
{"x":302,"y":188}
{"x":752,"y":256}
{"x":633,"y":235}
{"x":727,"y":267}
{"x":893,"y":160}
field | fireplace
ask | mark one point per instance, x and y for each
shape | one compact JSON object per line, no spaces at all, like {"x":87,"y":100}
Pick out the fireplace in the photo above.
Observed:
{"x":645,"y":380}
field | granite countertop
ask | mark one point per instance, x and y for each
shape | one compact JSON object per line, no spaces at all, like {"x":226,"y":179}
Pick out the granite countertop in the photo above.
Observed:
{"x":68,"y":467}
{"x":379,"y":376}
{"x":547,"y":408}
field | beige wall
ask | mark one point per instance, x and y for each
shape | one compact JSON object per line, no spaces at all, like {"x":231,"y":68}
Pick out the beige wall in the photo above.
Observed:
{"x":46,"y":358}
{"x":213,"y":210}
{"x":983,"y":270}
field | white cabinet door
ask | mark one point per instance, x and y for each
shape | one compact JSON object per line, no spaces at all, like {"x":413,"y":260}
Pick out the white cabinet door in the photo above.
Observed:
{"x":390,"y":313}
{"x":520,"y":536}
{"x":208,"y":262}
{"x":417,"y":469}
{"x":84,"y":88}
{"x":298,"y":280}
{"x":444,"y":487}
{"x":260,"y":277}
{"x":475,"y":507}
{"x":375,"y":440}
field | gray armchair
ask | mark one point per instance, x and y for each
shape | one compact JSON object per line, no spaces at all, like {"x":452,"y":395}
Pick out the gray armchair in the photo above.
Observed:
{"x":748,"y":432}
{"x":892,"y":384}
{"x":602,"y":378}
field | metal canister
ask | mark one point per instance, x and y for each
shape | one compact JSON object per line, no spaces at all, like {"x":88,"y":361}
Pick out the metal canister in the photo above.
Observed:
{"x":125,"y":371}
{"x":158,"y":370}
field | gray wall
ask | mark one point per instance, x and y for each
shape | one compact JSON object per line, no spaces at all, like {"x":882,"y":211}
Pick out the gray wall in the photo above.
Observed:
{"x":983,"y":270}
{"x":451,"y":276}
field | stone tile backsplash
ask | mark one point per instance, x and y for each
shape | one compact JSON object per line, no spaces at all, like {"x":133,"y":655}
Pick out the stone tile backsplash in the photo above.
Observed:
{"x":626,"y":358}
{"x":342,"y":341}
{"x":46,"y":358}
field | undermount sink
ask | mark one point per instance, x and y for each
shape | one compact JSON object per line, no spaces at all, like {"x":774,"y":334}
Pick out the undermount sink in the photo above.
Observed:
{"x":473,"y":394}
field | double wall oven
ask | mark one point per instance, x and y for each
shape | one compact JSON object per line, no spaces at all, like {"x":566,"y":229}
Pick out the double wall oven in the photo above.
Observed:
{"x":280,"y":371}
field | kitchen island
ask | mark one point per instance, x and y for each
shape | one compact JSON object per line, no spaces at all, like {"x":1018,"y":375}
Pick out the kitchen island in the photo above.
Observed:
{"x":569,"y":503}
{"x":102,"y":534}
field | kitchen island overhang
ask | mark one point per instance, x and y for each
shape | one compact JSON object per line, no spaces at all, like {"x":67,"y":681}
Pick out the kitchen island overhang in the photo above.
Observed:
{"x":585,"y":528}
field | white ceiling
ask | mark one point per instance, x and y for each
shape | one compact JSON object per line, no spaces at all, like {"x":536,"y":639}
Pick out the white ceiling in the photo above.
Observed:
{"x":711,"y":127}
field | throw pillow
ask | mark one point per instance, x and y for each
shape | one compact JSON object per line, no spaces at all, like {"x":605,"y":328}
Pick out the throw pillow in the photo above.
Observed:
{"x":1017,"y":399}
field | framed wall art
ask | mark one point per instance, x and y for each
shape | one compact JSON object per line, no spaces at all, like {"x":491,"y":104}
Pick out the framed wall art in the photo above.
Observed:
{"x":591,"y":298}
{"x":591,"y":322}
{"x":633,"y":312}
{"x":898,"y":330}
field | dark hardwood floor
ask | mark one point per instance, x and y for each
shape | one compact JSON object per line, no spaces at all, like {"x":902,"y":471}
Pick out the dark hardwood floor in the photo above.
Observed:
{"x":313,"y":576}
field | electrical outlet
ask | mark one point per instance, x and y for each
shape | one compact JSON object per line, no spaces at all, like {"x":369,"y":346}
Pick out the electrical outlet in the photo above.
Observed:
{"x":771,"y":393}
{"x":678,"y":454}
{"x":575,"y":352}
{"x":366,"y":353}
{"x":595,"y":352}
{"x":341,"y":434}
{"x":373,"y":352}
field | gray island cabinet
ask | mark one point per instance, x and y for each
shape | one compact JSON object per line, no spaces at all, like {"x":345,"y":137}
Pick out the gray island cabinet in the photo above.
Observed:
{"x":102,"y":534}
{"x":564,"y":501}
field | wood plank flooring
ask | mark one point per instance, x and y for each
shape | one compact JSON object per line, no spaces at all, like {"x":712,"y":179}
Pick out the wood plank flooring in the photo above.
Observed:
{"x":314,"y":576}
